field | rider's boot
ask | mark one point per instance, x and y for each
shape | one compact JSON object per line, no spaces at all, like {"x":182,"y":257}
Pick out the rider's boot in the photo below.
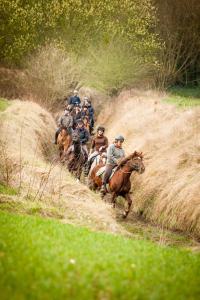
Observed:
{"x":87,"y":168}
{"x":88,"y":165}
{"x":103,"y":189}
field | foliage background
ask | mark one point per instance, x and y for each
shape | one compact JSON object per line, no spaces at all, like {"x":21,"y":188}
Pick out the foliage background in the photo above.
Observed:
{"x":108,"y":45}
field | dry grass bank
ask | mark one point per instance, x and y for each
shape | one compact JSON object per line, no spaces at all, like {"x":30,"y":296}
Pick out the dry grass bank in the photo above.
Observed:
{"x":168,"y":192}
{"x":45,"y":187}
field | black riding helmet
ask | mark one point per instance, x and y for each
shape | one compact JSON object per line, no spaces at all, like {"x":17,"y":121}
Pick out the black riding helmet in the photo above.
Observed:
{"x":101,"y":128}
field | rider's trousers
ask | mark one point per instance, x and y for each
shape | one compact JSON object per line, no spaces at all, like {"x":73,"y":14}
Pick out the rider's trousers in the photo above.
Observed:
{"x":108,"y":172}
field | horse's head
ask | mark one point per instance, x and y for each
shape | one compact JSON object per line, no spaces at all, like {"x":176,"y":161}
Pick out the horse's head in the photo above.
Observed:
{"x":63,"y":131}
{"x":136,"y":162}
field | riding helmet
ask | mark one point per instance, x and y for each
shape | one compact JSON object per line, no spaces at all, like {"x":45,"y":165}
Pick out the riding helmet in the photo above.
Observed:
{"x":80,"y":121}
{"x":119,"y":138}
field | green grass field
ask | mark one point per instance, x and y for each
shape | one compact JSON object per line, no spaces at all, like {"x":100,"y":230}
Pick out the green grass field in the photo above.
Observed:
{"x":184,"y":96}
{"x":44,"y":259}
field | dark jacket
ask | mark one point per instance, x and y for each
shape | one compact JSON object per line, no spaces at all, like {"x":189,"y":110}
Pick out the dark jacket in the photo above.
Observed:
{"x":74,"y":100}
{"x":77,"y":117}
{"x":91,"y":112}
{"x":84,"y":114}
{"x":84,"y":135}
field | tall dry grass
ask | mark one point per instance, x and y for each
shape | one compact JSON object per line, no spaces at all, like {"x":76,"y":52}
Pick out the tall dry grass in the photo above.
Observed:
{"x":51,"y":74}
{"x":46,"y":187}
{"x":169,"y":191}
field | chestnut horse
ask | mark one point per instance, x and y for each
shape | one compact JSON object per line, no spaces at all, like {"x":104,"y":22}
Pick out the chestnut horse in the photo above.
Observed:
{"x":120,"y":184}
{"x":64,"y":141}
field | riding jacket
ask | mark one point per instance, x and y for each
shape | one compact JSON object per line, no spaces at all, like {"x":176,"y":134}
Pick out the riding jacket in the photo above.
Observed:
{"x":77,"y":116}
{"x":114,"y":154}
{"x":99,"y":142}
{"x":83,"y":134}
{"x":91,"y":112}
{"x":65,"y":121}
{"x":74,"y":100}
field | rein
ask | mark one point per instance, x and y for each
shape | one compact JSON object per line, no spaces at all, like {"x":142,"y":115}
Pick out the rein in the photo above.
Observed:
{"x":124,"y":172}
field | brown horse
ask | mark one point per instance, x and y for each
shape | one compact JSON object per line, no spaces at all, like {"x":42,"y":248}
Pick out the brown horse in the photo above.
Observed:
{"x":86,"y":122}
{"x":64,"y":141}
{"x":120,"y":184}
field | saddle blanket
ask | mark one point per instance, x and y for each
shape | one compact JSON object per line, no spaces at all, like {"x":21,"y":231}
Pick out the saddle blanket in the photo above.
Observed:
{"x":101,"y":171}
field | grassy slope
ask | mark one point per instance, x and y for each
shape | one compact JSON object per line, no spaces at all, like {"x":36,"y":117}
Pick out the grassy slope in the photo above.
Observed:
{"x":184,"y":97}
{"x":3,"y":104}
{"x":43,"y":259}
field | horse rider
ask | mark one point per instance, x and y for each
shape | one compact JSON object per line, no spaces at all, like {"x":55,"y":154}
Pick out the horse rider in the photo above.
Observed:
{"x":84,"y":112}
{"x":85,"y":100}
{"x":115,"y":153}
{"x":83,"y":134}
{"x":98,"y":146}
{"x":91,"y":113}
{"x":74,"y":100}
{"x":76,"y":115}
{"x":65,"y":121}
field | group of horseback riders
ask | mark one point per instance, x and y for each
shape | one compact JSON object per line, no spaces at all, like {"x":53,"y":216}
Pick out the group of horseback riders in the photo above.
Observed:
{"x":79,"y":118}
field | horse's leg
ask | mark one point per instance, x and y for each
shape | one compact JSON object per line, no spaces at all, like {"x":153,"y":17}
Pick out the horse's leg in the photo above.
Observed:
{"x":113,"y":199}
{"x":129,"y":202}
{"x":79,"y":172}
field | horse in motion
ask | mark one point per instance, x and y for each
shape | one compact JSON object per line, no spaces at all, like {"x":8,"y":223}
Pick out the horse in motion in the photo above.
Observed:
{"x":64,"y":141}
{"x":75,"y":156}
{"x":120,"y":184}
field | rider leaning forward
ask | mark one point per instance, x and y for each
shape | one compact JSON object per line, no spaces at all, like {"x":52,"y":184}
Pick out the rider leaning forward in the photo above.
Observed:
{"x":114,"y":155}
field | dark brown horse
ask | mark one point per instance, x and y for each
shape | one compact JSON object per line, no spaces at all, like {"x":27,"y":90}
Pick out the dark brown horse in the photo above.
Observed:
{"x":120,"y":184}
{"x":75,"y":156}
{"x":64,"y":141}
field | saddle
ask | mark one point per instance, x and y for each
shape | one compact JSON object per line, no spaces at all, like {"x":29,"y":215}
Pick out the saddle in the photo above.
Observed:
{"x":101,"y":172}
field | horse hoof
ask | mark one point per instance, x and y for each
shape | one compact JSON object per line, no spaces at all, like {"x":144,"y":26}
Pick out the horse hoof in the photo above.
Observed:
{"x":124,"y":215}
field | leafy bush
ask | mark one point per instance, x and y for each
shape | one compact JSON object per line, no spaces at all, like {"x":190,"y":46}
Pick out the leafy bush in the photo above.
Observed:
{"x":114,"y":66}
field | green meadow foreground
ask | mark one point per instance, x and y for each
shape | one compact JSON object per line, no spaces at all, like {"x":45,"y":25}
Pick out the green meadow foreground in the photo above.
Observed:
{"x":43,"y":259}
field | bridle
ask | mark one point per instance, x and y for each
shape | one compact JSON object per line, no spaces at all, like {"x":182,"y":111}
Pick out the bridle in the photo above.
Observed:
{"x":128,"y":172}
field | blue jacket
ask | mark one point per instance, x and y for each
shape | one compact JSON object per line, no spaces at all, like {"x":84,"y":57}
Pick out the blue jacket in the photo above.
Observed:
{"x":74,"y":100}
{"x":83,"y":134}
{"x":91,"y":112}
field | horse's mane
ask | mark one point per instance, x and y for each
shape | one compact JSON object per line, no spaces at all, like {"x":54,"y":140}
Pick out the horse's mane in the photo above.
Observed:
{"x":129,"y":157}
